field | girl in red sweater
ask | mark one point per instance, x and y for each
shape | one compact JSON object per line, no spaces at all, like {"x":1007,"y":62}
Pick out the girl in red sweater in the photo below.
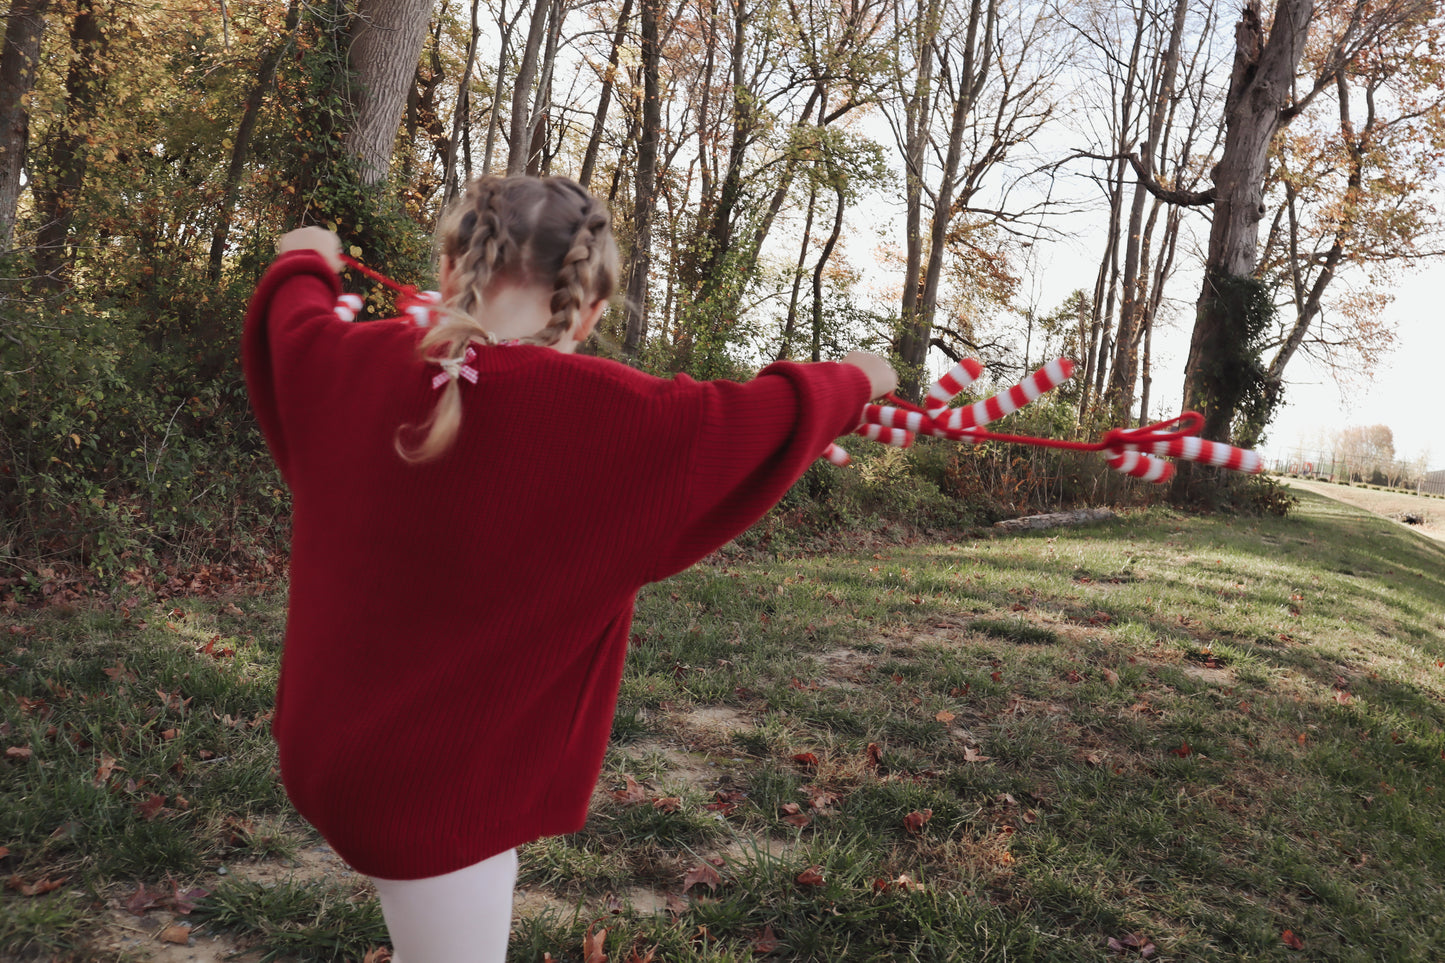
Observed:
{"x":475,"y":508}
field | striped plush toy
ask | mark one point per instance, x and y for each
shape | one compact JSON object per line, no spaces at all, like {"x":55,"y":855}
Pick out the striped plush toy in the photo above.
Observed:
{"x":1137,"y":452}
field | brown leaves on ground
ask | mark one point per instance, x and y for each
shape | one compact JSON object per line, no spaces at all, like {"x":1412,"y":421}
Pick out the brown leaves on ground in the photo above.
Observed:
{"x":812,"y":876}
{"x":1133,"y":944}
{"x":766,"y":942}
{"x":793,"y":815}
{"x":39,"y":888}
{"x":1292,"y":940}
{"x":916,"y":820}
{"x":633,"y":792}
{"x":702,"y":874}
{"x":166,"y":897}
{"x":177,"y":933}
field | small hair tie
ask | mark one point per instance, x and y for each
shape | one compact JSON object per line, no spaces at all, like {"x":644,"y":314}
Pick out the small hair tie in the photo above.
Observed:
{"x":454,"y":368}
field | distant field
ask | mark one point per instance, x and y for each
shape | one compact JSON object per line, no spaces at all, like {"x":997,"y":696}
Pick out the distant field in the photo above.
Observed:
{"x":1389,"y":504}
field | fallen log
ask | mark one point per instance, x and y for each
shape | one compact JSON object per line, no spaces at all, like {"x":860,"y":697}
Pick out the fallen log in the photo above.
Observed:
{"x":1053,"y":519}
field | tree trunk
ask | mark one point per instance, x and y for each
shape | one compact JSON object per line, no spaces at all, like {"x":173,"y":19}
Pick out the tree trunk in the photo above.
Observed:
{"x":1258,"y":91}
{"x":56,"y":199}
{"x":785,"y":350}
{"x":917,"y":113}
{"x":827,"y":253}
{"x":604,"y":98}
{"x":1136,"y":265}
{"x":971,"y":75}
{"x":18,"y":61}
{"x":539,"y":163}
{"x":519,"y":132}
{"x":646,"y":180}
{"x":494,"y":116}
{"x":241,"y":143}
{"x":461,"y":118}
{"x":386,"y":43}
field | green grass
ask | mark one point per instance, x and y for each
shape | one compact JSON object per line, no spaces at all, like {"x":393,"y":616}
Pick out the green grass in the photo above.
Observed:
{"x":1207,"y":731}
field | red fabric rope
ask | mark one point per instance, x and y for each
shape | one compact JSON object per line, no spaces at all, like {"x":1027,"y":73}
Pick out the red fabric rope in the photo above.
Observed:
{"x":406,"y":289}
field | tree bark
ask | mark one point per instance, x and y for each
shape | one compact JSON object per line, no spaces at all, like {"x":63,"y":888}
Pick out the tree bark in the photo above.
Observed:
{"x":461,"y":118}
{"x":386,"y":43}
{"x":1136,"y":262}
{"x":646,"y":180}
{"x":56,"y":199}
{"x":18,"y":61}
{"x":827,"y":253}
{"x":1259,"y":89}
{"x":519,"y":131}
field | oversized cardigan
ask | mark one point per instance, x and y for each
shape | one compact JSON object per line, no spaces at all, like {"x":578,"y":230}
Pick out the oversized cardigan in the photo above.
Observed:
{"x":456,"y":629}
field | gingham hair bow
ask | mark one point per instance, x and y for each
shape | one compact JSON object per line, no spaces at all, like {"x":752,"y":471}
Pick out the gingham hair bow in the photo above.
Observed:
{"x":454,"y":368}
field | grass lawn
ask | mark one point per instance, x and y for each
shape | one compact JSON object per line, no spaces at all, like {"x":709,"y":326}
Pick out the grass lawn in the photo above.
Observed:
{"x":1163,"y":737}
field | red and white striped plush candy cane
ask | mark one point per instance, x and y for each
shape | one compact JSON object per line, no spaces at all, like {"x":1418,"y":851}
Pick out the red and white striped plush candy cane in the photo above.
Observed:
{"x":347,"y":307}
{"x":946,"y":388}
{"x":1005,"y":403}
{"x":1139,"y":465}
{"x":1194,"y":448}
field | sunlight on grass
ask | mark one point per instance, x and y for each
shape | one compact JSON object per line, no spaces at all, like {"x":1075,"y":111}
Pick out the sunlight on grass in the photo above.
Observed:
{"x":1203,"y":730}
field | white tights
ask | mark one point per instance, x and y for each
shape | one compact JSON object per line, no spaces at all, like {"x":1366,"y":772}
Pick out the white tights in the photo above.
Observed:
{"x":461,"y":917}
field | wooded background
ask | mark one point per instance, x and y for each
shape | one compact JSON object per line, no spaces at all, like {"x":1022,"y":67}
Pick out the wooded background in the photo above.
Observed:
{"x":150,"y":153}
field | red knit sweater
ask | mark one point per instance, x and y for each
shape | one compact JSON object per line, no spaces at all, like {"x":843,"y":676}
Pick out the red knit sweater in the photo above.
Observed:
{"x":456,"y":630}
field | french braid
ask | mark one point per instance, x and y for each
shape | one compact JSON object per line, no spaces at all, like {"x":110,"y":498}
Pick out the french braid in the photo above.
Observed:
{"x":546,"y":231}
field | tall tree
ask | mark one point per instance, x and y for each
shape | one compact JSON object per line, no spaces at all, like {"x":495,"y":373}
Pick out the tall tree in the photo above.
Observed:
{"x":58,"y":192}
{"x":24,"y":28}
{"x":645,"y":181}
{"x":385,"y":46}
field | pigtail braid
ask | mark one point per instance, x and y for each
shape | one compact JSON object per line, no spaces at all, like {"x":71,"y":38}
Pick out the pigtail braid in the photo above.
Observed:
{"x":577,"y":278}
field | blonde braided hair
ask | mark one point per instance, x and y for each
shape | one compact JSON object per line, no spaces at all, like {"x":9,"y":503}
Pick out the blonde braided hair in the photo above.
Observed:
{"x":528,"y":231}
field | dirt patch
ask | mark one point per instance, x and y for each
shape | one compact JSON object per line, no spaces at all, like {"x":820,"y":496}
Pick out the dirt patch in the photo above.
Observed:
{"x":139,"y":937}
{"x":1214,"y":676}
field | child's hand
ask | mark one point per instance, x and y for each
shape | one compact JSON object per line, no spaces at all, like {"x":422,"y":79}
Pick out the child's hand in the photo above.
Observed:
{"x":881,"y":376}
{"x":317,"y":239}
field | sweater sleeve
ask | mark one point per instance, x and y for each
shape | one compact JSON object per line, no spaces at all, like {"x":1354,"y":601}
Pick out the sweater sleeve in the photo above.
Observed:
{"x":292,"y":302}
{"x":755,"y":440}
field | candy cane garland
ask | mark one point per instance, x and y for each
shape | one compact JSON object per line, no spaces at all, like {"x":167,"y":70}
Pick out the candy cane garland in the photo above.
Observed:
{"x":1138,"y":452}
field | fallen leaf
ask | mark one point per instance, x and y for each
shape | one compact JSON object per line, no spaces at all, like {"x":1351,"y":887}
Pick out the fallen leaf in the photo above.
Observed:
{"x":632,"y":793}
{"x":767,"y":941}
{"x":1134,"y":944}
{"x":1110,"y":676}
{"x":1291,"y":940}
{"x":945,"y":716}
{"x":647,"y":957}
{"x":18,"y":753}
{"x":592,"y":946}
{"x":103,"y":772}
{"x":812,"y":876}
{"x":875,"y":756}
{"x":799,"y":820}
{"x":40,"y":888}
{"x":668,"y":804}
{"x":996,"y":676}
{"x":1342,"y":697}
{"x":143,"y":900}
{"x":805,"y":759}
{"x":916,"y":820}
{"x":151,"y":808}
{"x":377,"y":954}
{"x":971,"y":754}
{"x":675,"y":904}
{"x":1183,"y":750}
{"x":701,"y":874}
{"x":175,"y":933}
